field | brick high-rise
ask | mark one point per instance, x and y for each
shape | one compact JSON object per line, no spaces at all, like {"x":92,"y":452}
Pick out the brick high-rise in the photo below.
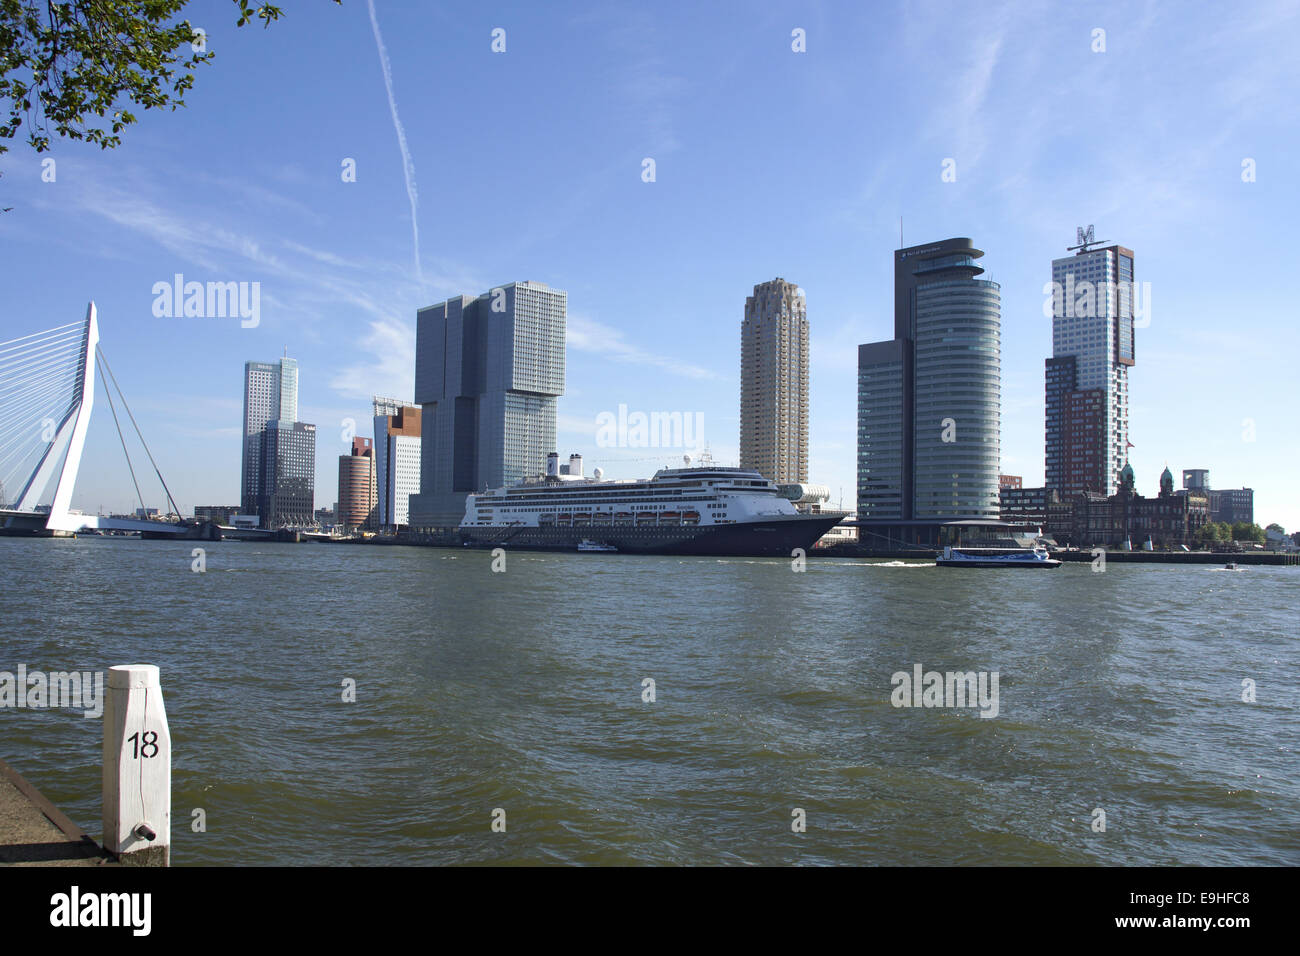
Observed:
{"x":1087,"y":376}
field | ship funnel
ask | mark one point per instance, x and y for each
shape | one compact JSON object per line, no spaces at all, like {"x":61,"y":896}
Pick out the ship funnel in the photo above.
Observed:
{"x":575,"y":465}
{"x":553,"y":465}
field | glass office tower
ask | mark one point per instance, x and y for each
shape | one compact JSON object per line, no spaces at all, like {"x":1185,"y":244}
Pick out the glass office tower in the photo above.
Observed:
{"x":929,"y":400}
{"x":488,"y":372}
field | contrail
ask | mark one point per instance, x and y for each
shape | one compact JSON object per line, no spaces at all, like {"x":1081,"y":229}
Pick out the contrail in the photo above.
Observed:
{"x":408,"y":167}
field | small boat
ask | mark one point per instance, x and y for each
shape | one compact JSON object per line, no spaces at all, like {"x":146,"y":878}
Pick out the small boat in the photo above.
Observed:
{"x":1037,"y":558}
{"x":1231,"y":566}
{"x":586,"y":544}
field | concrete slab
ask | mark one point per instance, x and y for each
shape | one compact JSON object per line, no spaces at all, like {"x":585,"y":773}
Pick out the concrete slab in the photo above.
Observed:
{"x":34,"y":832}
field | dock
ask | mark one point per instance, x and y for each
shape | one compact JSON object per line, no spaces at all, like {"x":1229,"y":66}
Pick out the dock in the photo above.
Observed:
{"x":34,"y":832}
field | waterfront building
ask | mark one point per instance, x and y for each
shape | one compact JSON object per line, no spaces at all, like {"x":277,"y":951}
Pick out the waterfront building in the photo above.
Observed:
{"x":1027,"y":505}
{"x":488,"y":372}
{"x":278,"y":474}
{"x":357,"y":486}
{"x":846,"y":532}
{"x":1087,"y":427}
{"x":774,"y":383}
{"x":217,"y":514}
{"x":1233,"y":505}
{"x":288,"y":475}
{"x":1127,"y":519}
{"x":1228,"y":505}
{"x":929,"y":400}
{"x":397,"y":460}
{"x":270,"y":394}
{"x":1010,"y":481}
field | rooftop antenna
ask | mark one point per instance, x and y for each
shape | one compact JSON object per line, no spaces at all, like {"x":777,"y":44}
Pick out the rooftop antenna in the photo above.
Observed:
{"x":1084,"y":238}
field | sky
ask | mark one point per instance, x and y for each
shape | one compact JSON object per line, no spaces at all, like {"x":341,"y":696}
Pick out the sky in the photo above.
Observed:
{"x":1174,"y":132}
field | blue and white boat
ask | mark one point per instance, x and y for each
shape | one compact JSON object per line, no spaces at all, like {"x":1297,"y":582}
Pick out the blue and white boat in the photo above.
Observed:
{"x":1036,"y":558}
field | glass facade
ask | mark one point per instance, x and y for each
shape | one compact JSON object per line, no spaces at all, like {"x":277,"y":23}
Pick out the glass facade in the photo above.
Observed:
{"x":270,"y":395}
{"x":958,"y":408}
{"x":288,"y":475}
{"x":929,"y":401}
{"x":488,"y":373}
{"x":1092,"y":324}
{"x":880,"y":431}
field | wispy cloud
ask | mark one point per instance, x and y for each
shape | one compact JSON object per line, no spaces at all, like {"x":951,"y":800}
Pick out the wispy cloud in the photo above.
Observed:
{"x":588,"y":335}
{"x":390,"y":370}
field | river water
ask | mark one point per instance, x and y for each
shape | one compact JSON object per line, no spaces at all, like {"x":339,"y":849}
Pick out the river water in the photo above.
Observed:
{"x":522,"y":692}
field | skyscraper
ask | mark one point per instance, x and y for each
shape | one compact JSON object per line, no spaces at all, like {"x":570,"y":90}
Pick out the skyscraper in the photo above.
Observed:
{"x":397,"y":459}
{"x":278,"y":475}
{"x":774,"y":383}
{"x":357,"y":486}
{"x":929,"y":400}
{"x":1093,"y":304}
{"x":488,"y":371}
{"x":288,"y":478}
{"x":270,"y":394}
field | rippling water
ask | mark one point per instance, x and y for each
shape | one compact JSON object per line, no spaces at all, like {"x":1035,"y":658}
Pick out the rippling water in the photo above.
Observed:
{"x":523,"y":691}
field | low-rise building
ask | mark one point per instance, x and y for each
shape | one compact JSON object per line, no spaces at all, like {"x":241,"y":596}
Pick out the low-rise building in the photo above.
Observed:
{"x":1127,"y":519}
{"x":217,"y":514}
{"x":1027,"y":505}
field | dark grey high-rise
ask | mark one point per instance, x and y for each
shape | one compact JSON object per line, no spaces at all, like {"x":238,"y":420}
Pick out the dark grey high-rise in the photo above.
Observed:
{"x":929,"y":399}
{"x":488,"y":371}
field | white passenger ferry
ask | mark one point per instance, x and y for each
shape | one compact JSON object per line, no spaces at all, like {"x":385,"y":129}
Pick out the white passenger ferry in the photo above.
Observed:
{"x":1034,"y":558}
{"x":704,"y":509}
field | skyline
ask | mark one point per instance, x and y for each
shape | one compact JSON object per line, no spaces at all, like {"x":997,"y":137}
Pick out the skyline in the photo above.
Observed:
{"x":335,"y":259}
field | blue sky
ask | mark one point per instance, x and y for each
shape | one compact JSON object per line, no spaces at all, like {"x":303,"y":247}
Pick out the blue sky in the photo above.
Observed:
{"x":527,"y":164}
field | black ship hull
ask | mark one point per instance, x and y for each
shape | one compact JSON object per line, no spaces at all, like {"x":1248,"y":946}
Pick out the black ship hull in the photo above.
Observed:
{"x":777,"y":537}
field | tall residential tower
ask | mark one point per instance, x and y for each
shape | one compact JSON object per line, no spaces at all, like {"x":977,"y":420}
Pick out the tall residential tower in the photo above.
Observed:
{"x":1093,"y":306}
{"x":774,"y":383}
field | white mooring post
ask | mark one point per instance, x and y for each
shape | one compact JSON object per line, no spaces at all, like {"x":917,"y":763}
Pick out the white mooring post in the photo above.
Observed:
{"x":137,"y":768}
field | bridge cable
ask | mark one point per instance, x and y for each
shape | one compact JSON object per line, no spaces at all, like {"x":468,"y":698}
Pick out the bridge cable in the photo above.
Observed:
{"x":175,"y":510}
{"x":122,"y":438}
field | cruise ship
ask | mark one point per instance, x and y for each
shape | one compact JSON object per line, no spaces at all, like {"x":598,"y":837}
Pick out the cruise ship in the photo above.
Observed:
{"x":704,"y":509}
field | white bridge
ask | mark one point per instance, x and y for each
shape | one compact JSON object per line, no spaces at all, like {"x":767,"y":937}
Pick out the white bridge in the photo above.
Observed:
{"x":47,"y":392}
